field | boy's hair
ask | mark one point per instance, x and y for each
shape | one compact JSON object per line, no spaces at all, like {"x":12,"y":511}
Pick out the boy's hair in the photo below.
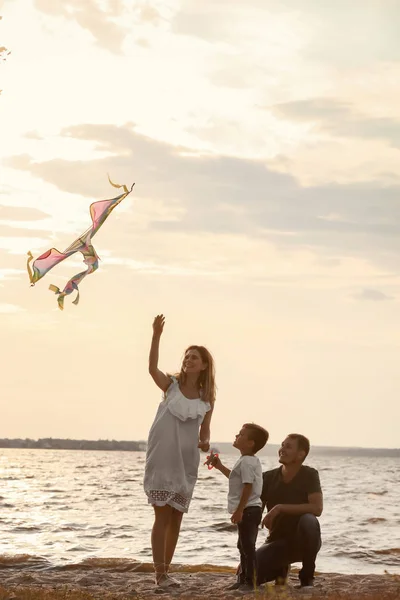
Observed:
{"x":257,"y":434}
{"x":303,"y":443}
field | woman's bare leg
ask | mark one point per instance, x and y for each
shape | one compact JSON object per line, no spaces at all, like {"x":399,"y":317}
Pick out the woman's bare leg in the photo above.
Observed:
{"x":172,"y":536}
{"x":162,"y":517}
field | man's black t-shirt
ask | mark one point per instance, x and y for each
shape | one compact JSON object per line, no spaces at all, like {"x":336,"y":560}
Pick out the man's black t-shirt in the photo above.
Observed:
{"x":275,"y":491}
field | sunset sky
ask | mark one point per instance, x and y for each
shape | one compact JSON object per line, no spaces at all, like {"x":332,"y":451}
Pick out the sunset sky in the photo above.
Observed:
{"x":264,"y":140}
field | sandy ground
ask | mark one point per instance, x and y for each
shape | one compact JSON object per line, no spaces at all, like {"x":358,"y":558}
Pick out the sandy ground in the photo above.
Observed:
{"x":129,"y":579}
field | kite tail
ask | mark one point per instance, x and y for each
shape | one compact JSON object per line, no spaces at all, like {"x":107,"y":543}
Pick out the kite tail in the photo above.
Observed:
{"x":28,"y":266}
{"x":116,"y":185}
{"x":61,"y":295}
{"x":91,"y":259}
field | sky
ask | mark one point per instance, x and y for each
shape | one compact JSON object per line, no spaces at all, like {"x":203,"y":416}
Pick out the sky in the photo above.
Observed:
{"x":263,"y":137}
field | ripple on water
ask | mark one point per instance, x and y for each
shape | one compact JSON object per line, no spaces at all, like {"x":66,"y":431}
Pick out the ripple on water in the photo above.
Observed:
{"x":224,"y":526}
{"x":26,"y":529}
{"x":81,"y":548}
{"x":122,"y":527}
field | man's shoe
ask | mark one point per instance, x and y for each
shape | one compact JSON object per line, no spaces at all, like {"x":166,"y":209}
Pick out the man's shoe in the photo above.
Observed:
{"x":281,"y":579}
{"x":305,"y":584}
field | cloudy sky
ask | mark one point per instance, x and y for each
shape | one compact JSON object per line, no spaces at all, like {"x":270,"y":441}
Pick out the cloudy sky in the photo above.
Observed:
{"x":264,"y":140}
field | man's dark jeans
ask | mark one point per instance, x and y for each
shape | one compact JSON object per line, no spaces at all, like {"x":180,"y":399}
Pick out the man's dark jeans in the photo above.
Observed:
{"x":274,"y":558}
{"x":248,"y":531}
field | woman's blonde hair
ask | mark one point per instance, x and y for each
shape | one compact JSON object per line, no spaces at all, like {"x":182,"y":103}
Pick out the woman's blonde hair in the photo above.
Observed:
{"x":206,"y":379}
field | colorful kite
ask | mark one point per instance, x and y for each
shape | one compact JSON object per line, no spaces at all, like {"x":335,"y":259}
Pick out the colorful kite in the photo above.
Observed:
{"x":99,"y":211}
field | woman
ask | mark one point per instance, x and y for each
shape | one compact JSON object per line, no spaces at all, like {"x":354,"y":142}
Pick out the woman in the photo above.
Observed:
{"x":180,"y":428}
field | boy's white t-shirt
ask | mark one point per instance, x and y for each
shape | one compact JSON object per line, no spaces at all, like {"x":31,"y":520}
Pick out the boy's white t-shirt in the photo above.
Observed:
{"x":247,"y":469}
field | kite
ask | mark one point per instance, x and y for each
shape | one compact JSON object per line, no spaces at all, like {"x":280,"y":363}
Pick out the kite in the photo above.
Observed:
{"x":99,"y":211}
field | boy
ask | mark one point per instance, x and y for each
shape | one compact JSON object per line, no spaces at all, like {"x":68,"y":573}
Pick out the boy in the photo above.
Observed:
{"x":244,"y":502}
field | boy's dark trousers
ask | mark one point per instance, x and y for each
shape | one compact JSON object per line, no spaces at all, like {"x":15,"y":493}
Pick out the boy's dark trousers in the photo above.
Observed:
{"x":248,"y":531}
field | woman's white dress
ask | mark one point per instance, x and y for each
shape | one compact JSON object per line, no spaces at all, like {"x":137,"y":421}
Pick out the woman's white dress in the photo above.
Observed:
{"x":173,"y":458}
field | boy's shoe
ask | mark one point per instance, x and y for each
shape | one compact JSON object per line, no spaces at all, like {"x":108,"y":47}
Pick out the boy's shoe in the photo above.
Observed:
{"x":234,"y":586}
{"x":246,"y":588}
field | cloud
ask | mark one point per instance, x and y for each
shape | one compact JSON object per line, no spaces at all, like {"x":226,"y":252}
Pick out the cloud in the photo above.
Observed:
{"x":226,"y":195}
{"x":9,"y":273}
{"x":313,"y":109}
{"x":104,"y":19}
{"x":20,"y":244}
{"x":372,"y":295}
{"x":148,"y":13}
{"x":333,"y":33}
{"x":339,"y":118}
{"x":21,"y":213}
{"x":33,"y":135}
{"x":10,"y":309}
{"x":196,"y":20}
{"x":88,"y":15}
{"x":319,"y":37}
{"x":351,"y":36}
{"x":19,"y":222}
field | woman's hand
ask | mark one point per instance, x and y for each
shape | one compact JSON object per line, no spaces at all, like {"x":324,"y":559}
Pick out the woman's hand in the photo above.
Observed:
{"x":204,"y":446}
{"x":158,"y":325}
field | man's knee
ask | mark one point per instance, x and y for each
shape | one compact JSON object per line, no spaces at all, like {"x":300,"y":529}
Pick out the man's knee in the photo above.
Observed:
{"x":308,"y":524}
{"x":272,"y":561}
{"x":272,"y":554}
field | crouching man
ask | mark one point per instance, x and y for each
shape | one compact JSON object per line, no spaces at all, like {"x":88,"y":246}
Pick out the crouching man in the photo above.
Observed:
{"x":293,"y":497}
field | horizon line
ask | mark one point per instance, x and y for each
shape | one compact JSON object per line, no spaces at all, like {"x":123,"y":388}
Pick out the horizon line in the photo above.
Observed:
{"x":141,"y":441}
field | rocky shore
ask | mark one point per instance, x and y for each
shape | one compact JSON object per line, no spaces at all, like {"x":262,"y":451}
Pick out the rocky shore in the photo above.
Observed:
{"x":122,"y":579}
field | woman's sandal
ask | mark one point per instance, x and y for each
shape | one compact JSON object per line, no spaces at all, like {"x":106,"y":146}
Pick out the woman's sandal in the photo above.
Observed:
{"x":166,"y":581}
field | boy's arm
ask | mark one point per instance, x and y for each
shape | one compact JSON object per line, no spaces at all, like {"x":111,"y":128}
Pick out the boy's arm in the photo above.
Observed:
{"x":244,"y":498}
{"x":217,"y":464}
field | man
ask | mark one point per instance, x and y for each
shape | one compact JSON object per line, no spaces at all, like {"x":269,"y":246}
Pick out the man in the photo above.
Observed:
{"x":293,"y":497}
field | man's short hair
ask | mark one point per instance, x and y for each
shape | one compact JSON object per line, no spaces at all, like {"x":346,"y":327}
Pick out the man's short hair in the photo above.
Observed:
{"x":303,"y":443}
{"x":257,"y":434}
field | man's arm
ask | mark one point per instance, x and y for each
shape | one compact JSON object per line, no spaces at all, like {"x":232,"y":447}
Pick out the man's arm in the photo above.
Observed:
{"x":314,"y":506}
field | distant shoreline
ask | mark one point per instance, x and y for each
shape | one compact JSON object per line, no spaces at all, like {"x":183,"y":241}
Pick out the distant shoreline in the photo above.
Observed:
{"x":68,"y":444}
{"x":140,"y":446}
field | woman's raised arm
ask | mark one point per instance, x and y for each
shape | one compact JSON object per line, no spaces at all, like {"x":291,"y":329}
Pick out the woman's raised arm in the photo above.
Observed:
{"x":160,"y":378}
